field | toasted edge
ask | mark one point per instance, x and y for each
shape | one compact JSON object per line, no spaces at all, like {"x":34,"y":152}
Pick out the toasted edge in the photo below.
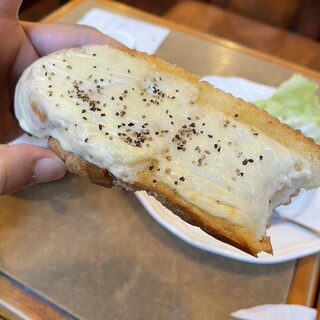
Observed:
{"x":219,"y":228}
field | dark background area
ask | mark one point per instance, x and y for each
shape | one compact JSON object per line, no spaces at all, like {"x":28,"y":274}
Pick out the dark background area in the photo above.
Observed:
{"x":297,"y":16}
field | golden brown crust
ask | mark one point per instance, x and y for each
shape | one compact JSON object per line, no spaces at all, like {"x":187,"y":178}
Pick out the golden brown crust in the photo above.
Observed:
{"x":219,"y":228}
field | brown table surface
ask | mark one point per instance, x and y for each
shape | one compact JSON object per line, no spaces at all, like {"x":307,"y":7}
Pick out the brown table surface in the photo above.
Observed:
{"x":245,"y":31}
{"x":70,"y":249}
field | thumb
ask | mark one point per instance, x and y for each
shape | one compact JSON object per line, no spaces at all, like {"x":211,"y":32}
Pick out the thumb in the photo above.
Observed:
{"x":25,"y":165}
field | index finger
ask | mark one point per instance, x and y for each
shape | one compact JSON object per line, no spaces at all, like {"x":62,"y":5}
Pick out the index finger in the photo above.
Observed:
{"x":50,"y":37}
{"x":10,"y":8}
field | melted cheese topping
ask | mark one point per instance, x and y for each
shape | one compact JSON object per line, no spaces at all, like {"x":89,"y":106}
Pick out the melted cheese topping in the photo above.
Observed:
{"x":120,"y":113}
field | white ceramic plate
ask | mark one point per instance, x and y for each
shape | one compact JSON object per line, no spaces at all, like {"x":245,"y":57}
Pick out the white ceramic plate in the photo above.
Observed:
{"x":288,"y":240}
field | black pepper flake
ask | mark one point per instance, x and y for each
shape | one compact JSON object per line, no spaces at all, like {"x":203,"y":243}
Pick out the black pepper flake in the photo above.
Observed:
{"x":84,"y":118}
{"x":100,"y":126}
{"x":245,"y":162}
{"x":261,"y":157}
{"x":151,"y":168}
{"x":182,"y":179}
{"x":86,"y":140}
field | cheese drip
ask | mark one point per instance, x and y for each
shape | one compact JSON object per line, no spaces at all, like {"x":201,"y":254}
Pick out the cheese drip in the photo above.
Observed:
{"x":119,"y":113}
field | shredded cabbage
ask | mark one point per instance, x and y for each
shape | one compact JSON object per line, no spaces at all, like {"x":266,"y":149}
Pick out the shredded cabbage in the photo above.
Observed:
{"x":295,"y":103}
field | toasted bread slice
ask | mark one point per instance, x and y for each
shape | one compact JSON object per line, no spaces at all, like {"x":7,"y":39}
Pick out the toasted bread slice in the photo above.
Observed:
{"x":133,"y":121}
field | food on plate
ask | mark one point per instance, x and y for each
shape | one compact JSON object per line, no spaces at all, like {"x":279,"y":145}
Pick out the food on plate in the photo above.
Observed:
{"x":296,"y":103}
{"x":129,"y":120}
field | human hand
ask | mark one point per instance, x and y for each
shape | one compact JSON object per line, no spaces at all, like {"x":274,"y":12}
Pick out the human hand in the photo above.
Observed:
{"x":21,"y":44}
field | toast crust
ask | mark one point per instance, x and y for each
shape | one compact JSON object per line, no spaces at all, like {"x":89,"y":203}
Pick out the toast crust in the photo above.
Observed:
{"x":220,"y":228}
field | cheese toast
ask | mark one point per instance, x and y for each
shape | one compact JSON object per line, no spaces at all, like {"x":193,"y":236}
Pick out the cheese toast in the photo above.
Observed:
{"x":130,"y":120}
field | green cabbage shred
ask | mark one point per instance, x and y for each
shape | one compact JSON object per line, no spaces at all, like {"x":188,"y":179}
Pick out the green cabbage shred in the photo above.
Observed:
{"x":296,"y":103}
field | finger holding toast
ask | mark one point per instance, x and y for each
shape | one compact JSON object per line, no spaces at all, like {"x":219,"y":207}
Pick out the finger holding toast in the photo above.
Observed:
{"x":22,"y":43}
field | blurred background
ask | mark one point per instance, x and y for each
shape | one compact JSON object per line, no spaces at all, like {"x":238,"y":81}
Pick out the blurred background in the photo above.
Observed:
{"x":297,"y":16}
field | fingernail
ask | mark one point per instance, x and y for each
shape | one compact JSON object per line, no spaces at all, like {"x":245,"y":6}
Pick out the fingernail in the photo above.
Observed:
{"x":49,"y":169}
